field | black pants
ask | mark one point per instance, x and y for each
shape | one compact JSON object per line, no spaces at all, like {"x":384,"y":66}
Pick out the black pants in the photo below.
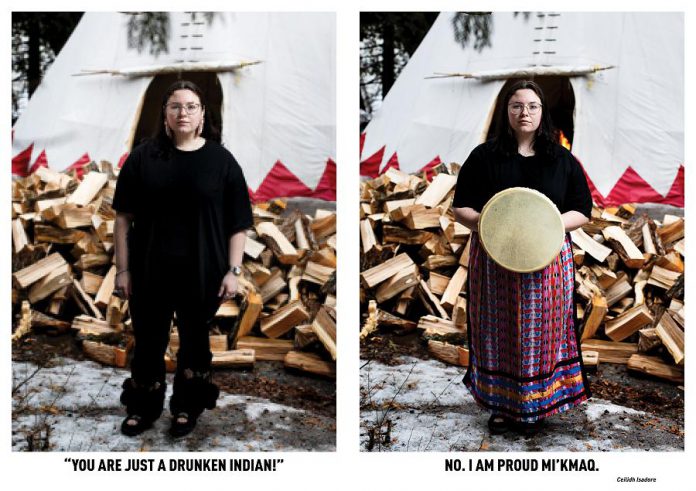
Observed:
{"x":173,"y":288}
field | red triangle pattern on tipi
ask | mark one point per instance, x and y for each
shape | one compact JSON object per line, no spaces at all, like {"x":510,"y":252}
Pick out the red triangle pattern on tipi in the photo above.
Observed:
{"x":630,"y":188}
{"x":279,"y":182}
{"x":20,"y":162}
{"x":41,"y":161}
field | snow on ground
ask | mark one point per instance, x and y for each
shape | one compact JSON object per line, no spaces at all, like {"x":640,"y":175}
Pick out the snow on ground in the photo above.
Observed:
{"x":430,"y":409}
{"x":76,"y":406}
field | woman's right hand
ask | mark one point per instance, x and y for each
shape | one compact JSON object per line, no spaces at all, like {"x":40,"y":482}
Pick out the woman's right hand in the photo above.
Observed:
{"x":123,"y":287}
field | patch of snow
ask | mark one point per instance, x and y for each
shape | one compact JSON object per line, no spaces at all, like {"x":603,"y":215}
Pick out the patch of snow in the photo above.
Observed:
{"x":77,"y":402}
{"x":430,"y":409}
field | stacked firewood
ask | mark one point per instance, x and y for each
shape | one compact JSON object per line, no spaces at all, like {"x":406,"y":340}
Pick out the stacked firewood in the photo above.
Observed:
{"x":64,"y":273}
{"x":414,"y":257}
{"x":630,"y":282}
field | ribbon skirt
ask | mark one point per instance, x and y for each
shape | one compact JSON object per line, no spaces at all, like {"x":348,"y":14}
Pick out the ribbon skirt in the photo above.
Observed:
{"x":524,"y":358}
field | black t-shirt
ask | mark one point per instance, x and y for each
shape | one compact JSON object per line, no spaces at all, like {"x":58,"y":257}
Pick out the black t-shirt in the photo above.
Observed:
{"x":187,"y":205}
{"x":487,"y":172}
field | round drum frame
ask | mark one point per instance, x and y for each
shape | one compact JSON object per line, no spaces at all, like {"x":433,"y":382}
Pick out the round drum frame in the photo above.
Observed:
{"x":521,"y":230}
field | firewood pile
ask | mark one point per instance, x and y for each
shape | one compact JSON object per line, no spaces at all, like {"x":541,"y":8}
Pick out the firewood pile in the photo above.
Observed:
{"x":414,"y":258}
{"x":63,"y":277}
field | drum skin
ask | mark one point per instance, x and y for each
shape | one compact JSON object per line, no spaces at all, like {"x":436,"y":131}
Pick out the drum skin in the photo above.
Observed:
{"x":521,"y":230}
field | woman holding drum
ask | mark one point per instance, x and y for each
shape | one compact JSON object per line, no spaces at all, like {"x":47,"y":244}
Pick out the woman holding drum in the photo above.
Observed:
{"x":525,"y":362}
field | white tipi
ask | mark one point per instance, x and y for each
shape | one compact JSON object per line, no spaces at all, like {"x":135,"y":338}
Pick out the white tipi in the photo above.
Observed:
{"x":269,"y":76}
{"x":614,"y":81}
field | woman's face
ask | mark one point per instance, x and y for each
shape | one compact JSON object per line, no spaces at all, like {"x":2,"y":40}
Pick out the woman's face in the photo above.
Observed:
{"x":184,"y":113}
{"x":524,"y":112}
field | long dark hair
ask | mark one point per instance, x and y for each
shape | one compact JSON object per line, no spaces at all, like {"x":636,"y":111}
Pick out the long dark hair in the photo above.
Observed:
{"x":504,"y":140}
{"x":163,"y":142}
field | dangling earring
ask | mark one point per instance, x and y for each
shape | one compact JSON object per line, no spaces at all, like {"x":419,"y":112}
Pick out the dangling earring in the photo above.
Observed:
{"x":167,"y":130}
{"x":200,"y":128}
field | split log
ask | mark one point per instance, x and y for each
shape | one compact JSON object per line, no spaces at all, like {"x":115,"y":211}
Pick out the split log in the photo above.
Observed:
{"x":273,"y":286}
{"x":389,"y":320}
{"x":648,"y":242}
{"x":308,"y":362}
{"x":325,"y":329}
{"x":449,"y":353}
{"x":399,"y":235}
{"x":19,"y":236}
{"x":589,"y":245}
{"x":672,"y":337}
{"x":459,"y":313}
{"x":69,"y":218}
{"x":438,"y":283}
{"x":404,"y":301}
{"x":89,"y":261}
{"x":421,"y":218}
{"x":671,"y":232}
{"x":24,"y":325}
{"x":40,"y":269}
{"x":105,"y":353}
{"x":304,"y":336}
{"x":374,"y":276}
{"x":663,"y":278}
{"x":227,"y":310}
{"x":441,"y":329}
{"x":652,"y":365}
{"x":437,"y":190}
{"x":437,"y":262}
{"x":55,"y":326}
{"x":284,"y":319}
{"x":609,"y":351}
{"x":454,"y":288}
{"x":252,"y":248}
{"x":91,"y":282}
{"x":266,"y":349}
{"x":624,"y":247}
{"x":89,"y":187}
{"x":55,"y":280}
{"x":84,"y":301}
{"x":106,"y":289}
{"x":648,"y":339}
{"x":252,"y":307}
{"x":619,"y":290}
{"x":240,"y":358}
{"x":626,"y":324}
{"x":324,"y":227}
{"x":402,"y":280}
{"x":590,"y":359}
{"x":367,"y":236}
{"x":370,"y":324}
{"x":316,"y":273}
{"x":671,"y":262}
{"x":431,"y":302}
{"x":284,"y":251}
{"x":55,"y":235}
{"x":594,"y":316}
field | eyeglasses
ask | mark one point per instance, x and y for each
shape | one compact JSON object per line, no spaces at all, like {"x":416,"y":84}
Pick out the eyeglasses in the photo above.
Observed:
{"x":517,"y":107}
{"x":175,"y":108}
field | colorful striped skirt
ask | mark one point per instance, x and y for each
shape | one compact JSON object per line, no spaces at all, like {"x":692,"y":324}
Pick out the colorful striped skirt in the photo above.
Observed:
{"x":524,"y":358}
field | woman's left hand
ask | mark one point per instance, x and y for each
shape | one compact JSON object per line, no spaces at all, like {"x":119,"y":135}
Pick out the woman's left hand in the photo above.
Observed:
{"x":228,"y":287}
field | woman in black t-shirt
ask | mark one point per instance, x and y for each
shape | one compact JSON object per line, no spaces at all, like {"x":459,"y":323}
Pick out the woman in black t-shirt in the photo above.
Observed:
{"x":182,"y":210}
{"x":525,"y":362}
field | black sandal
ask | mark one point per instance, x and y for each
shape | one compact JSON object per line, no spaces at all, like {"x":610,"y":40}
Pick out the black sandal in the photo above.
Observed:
{"x":144,"y":404}
{"x":498,"y":424}
{"x":178,"y":428}
{"x":141,"y":424}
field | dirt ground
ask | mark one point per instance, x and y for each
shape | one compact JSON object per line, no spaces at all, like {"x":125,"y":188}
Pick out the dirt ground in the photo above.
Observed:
{"x":413,"y":402}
